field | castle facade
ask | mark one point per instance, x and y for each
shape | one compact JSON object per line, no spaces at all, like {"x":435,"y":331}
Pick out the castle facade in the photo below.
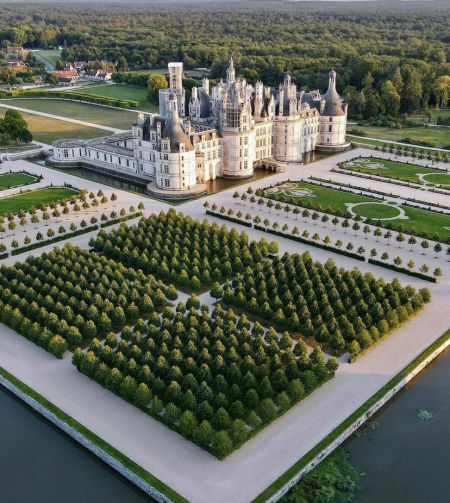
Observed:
{"x":226,"y":130}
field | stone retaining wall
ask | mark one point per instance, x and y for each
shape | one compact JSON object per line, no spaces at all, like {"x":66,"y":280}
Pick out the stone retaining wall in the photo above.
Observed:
{"x":90,"y":446}
{"x":353,"y":427}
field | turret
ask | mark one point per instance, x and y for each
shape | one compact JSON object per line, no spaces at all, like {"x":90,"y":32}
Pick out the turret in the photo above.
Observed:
{"x":231,"y":75}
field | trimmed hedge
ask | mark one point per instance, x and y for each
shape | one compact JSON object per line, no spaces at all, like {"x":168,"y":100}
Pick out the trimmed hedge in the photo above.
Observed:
{"x":56,"y":239}
{"x":3,"y":255}
{"x":312,"y":243}
{"x":121,"y":219}
{"x":227,"y":217}
{"x":70,"y":95}
{"x":393,"y":267}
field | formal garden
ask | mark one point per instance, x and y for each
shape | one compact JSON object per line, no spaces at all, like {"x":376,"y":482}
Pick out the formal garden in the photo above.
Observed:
{"x":340,"y":309}
{"x":211,"y":376}
{"x":399,"y":171}
{"x":36,"y":198}
{"x":186,"y":252}
{"x":17,"y":179}
{"x":348,"y":203}
{"x":64,"y":298}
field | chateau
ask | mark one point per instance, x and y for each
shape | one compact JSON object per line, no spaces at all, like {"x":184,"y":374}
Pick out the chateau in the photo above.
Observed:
{"x":227,"y":130}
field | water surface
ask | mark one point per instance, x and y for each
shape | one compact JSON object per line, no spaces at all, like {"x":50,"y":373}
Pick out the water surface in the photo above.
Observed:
{"x":40,"y":464}
{"x":406,"y":459}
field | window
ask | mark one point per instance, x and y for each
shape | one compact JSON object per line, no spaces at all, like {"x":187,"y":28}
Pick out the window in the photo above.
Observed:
{"x":165,"y":157}
{"x":66,"y":153}
{"x":166,"y":169}
{"x":331,"y":119}
{"x":128,"y":163}
{"x":120,"y":160}
{"x":166,"y":182}
{"x":329,"y":128}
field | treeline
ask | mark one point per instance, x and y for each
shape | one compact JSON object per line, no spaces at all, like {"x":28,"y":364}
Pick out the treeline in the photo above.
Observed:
{"x":388,"y":61}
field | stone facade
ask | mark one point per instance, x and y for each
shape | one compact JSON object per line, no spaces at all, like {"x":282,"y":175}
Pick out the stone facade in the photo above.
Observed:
{"x":227,"y":130}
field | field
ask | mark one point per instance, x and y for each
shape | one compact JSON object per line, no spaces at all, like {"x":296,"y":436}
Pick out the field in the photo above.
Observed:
{"x":399,"y":170}
{"x":123,"y":92}
{"x":34,"y":198}
{"x":80,"y":111}
{"x":51,"y":55}
{"x":422,"y":116}
{"x":333,"y":200}
{"x":440,"y":135}
{"x":47,"y":130}
{"x":14,"y":179}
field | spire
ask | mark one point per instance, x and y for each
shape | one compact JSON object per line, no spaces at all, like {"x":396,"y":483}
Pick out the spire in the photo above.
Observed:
{"x":231,"y":77}
{"x":332,"y":81}
{"x":333,"y":103}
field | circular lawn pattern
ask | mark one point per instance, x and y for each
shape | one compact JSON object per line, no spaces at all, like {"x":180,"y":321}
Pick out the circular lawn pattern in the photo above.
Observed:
{"x":378,"y":211}
{"x":436,"y":178}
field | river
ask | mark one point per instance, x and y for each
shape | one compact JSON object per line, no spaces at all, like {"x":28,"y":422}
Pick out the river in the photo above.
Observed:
{"x":40,"y":464}
{"x":404,"y":459}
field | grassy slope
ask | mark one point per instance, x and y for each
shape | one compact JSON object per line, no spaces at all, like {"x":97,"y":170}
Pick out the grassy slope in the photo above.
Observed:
{"x":80,"y":111}
{"x":47,"y":130}
{"x":34,"y":198}
{"x":440,"y":135}
{"x":401,"y":170}
{"x":14,"y":179}
{"x":123,"y":92}
{"x":420,"y":220}
{"x":51,"y":55}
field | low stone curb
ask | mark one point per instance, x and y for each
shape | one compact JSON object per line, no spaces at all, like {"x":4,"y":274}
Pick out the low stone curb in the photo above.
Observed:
{"x":87,"y":444}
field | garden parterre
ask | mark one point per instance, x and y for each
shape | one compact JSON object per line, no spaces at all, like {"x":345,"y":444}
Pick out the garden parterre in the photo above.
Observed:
{"x":398,"y":170}
{"x":343,"y":202}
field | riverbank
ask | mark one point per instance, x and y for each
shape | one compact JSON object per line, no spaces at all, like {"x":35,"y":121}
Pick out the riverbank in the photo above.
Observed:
{"x":353,"y":422}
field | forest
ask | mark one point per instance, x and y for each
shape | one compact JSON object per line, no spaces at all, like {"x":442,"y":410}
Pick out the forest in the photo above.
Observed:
{"x":389,"y":60}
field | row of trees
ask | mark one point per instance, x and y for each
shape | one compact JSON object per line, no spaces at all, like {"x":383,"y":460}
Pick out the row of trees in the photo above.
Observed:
{"x":213,"y":377}
{"x":181,"y":250}
{"x":342,"y":309}
{"x":306,"y":209}
{"x":76,"y":295}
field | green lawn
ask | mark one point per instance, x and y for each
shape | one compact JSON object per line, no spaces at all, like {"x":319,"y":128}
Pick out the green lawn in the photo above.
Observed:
{"x":122,"y":92}
{"x":8,"y":180}
{"x":441,"y":136}
{"x":34,"y":198}
{"x":422,"y":116}
{"x":51,"y":55}
{"x":47,"y":130}
{"x":332,"y":200}
{"x":80,"y":111}
{"x":398,"y":170}
{"x":18,"y":148}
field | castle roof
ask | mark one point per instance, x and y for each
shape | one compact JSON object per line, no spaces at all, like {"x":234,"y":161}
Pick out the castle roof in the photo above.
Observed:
{"x":333,"y":103}
{"x":174,"y":130}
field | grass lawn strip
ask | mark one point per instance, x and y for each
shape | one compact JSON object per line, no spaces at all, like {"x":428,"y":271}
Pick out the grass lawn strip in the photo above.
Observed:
{"x":74,"y":110}
{"x":9,"y":180}
{"x":122,"y":92}
{"x":34,"y":198}
{"x":91,"y":437}
{"x":398,"y":170}
{"x":309,"y":456}
{"x":47,"y":130}
{"x":326,"y":198}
